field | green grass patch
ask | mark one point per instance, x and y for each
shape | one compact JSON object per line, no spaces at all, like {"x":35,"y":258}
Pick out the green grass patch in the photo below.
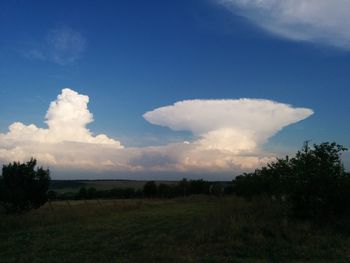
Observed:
{"x":194,"y":229}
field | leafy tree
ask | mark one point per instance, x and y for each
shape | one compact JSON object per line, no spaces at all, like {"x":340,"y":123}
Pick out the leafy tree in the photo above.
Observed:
{"x":23,"y":187}
{"x":313,"y":182}
{"x":52,"y":195}
{"x":165,"y":190}
{"x":116,"y":193}
{"x":318,"y":184}
{"x":216,"y":189}
{"x":199,"y":187}
{"x":91,"y":193}
{"x":150,"y":189}
{"x":183,"y":187}
{"x":83,"y":193}
{"x":128,"y":192}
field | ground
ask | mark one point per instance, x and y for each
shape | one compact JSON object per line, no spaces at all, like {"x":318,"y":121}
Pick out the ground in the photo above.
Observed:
{"x":193,"y":229}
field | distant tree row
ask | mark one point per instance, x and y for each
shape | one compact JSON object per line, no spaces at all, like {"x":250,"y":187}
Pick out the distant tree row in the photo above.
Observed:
{"x":150,"y":190}
{"x":313,"y":183}
{"x":185,"y":188}
{"x":24,"y":187}
{"x":86,"y":193}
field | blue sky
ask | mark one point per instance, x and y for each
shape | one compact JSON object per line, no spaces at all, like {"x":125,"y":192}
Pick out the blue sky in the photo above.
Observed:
{"x":131,"y":57}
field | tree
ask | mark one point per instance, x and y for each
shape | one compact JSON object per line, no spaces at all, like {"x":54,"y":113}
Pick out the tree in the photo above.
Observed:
{"x":83,"y":193}
{"x":318,"y":186}
{"x":216,"y":189}
{"x":91,"y":193}
{"x":314,"y":182}
{"x":150,"y":189}
{"x":23,"y":187}
{"x":183,"y":187}
{"x":199,"y":187}
{"x":52,"y":195}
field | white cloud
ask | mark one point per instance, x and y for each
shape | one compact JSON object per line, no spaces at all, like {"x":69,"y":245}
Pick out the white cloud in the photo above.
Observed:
{"x":62,"y":46}
{"x":195,"y":158}
{"x":318,"y":21}
{"x":66,"y":119}
{"x":231,"y":125}
{"x":228,"y":135}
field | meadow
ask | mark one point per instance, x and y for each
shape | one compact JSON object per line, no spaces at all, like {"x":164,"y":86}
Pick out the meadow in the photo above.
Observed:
{"x":191,"y":229}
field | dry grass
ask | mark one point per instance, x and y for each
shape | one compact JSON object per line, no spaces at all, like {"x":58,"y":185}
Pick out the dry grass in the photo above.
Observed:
{"x":196,"y":229}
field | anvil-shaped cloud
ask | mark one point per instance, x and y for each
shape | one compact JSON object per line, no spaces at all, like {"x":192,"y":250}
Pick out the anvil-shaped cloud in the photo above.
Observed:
{"x":228,"y":137}
{"x":232,"y":125}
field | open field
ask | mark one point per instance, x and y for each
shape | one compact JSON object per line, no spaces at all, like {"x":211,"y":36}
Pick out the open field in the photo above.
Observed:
{"x":193,"y":229}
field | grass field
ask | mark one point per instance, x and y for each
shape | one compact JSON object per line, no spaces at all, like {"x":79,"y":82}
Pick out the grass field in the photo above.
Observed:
{"x":193,"y":229}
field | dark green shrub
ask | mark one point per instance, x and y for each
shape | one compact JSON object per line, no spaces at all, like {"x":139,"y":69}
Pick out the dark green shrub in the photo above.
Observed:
{"x":150,"y":189}
{"x":82,"y":194}
{"x":52,"y":195}
{"x":313,"y":183}
{"x":23,"y":187}
{"x":91,"y":193}
{"x":318,"y":187}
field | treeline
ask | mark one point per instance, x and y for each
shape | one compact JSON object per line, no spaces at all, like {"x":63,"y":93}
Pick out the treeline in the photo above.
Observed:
{"x":313,"y":184}
{"x":151,"y":189}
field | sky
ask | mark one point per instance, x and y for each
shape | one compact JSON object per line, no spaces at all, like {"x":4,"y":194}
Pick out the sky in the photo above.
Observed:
{"x":171,"y":89}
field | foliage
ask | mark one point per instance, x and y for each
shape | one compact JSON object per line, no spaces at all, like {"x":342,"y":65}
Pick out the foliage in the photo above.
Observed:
{"x":314,"y":182}
{"x":91,"y":193}
{"x":150,"y":189}
{"x":318,"y":185}
{"x":216,"y":189}
{"x":52,"y":195}
{"x":165,"y":191}
{"x":199,"y":186}
{"x":23,"y":187}
{"x":82,"y":194}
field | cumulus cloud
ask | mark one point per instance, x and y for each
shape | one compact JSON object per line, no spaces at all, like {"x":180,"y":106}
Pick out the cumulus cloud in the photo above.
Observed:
{"x":63,"y":46}
{"x":318,"y":21}
{"x":66,"y":119}
{"x":228,"y":135}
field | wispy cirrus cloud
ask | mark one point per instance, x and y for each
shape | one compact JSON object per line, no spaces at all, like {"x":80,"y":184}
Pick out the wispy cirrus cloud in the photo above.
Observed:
{"x":63,"y":46}
{"x":228,"y":135}
{"x":318,"y":21}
